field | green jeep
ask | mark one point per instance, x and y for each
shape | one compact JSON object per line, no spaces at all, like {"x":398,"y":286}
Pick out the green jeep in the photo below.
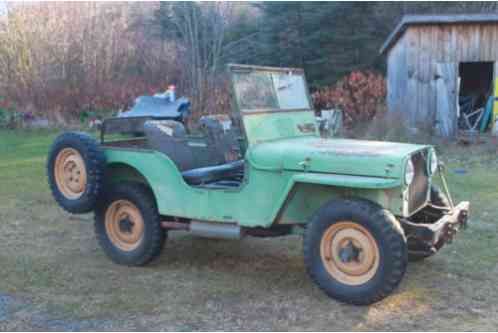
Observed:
{"x":364,"y":208}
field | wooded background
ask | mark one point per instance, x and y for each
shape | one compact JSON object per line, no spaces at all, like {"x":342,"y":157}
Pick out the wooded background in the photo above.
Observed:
{"x":62,"y":61}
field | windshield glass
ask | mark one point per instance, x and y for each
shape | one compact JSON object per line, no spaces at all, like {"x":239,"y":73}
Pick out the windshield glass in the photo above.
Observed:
{"x":261,"y":90}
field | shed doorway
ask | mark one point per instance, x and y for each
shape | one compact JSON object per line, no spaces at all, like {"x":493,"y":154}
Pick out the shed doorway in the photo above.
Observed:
{"x":475,"y":95}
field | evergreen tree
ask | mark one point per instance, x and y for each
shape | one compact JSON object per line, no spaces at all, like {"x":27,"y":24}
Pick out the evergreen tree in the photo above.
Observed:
{"x":330,"y":39}
{"x":296,"y":35}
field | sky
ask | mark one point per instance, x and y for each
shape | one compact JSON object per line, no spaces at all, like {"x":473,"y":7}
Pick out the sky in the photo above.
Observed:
{"x":2,"y":6}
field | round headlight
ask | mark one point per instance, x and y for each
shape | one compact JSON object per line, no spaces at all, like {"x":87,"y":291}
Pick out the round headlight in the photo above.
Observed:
{"x":434,"y":162}
{"x":409,"y":172}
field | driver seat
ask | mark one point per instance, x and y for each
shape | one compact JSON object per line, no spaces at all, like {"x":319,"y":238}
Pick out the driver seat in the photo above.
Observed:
{"x":201,"y":176}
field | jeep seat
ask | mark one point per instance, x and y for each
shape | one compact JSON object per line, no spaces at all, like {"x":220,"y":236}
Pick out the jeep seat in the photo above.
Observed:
{"x":221,"y":136}
{"x":169,"y":137}
{"x":213,"y":173}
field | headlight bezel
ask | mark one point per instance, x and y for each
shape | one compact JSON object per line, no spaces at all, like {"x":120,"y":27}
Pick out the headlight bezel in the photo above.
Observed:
{"x":409,"y":175}
{"x":433,"y":162}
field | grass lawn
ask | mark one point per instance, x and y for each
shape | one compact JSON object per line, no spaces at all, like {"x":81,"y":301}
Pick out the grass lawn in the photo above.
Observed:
{"x":53,"y":275}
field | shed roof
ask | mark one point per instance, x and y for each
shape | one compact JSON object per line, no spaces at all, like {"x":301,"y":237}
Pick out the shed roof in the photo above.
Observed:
{"x":409,"y":20}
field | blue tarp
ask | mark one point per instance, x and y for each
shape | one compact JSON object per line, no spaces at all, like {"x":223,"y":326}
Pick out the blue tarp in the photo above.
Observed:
{"x":158,"y":107}
{"x":488,"y":112}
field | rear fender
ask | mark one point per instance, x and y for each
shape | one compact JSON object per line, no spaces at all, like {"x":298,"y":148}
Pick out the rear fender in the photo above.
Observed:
{"x":121,"y":172}
{"x":308,"y":192}
{"x":144,"y":166}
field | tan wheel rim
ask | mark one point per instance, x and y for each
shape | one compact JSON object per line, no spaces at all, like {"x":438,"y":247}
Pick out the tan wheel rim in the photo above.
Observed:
{"x":349,"y":253}
{"x":124,"y":225}
{"x":70,"y":173}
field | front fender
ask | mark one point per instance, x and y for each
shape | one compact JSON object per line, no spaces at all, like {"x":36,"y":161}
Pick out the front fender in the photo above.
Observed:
{"x":306,"y":192}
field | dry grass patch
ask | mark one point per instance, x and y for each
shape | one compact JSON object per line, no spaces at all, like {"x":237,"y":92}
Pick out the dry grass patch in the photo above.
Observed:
{"x":55,"y":277}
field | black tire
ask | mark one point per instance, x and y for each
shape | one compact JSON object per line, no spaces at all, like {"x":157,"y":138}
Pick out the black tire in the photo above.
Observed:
{"x":153,"y":237}
{"x":417,"y":251}
{"x":389,"y":239}
{"x":94,"y":164}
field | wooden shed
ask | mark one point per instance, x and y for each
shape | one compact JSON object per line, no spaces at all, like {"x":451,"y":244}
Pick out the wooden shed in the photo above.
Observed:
{"x":435,"y":61}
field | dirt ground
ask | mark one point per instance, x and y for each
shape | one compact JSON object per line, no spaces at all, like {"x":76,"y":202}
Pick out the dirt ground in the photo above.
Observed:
{"x":53,"y":275}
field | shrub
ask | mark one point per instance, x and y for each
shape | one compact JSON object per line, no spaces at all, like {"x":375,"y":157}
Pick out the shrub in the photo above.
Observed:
{"x":3,"y":113}
{"x":360,"y":95}
{"x":9,"y":116}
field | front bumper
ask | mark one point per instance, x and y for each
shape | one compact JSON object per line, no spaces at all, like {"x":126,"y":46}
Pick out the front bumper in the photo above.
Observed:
{"x":430,"y":237}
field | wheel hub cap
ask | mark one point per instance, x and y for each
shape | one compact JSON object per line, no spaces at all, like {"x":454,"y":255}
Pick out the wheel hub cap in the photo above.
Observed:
{"x":349,"y":253}
{"x":124,"y":225}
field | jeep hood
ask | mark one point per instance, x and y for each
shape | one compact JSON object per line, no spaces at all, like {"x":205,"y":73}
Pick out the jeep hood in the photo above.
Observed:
{"x":337,"y":156}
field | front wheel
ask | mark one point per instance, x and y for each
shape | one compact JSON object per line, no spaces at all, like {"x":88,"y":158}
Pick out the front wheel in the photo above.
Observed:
{"x":355,"y":251}
{"x":127,"y":225}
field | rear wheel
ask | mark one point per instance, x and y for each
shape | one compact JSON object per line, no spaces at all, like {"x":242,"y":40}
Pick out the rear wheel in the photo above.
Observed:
{"x":355,"y":251}
{"x":127,"y":225}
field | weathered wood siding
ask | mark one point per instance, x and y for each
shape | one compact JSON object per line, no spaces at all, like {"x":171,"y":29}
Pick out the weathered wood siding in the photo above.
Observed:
{"x":412,"y":65}
{"x":397,"y":78}
{"x":446,"y":98}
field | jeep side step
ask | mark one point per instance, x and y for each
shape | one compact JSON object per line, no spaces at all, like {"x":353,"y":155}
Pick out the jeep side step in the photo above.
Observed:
{"x":227,"y":230}
{"x":206,"y":229}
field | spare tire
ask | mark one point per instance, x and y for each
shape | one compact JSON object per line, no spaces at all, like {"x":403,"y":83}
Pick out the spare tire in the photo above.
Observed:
{"x":75,"y":169}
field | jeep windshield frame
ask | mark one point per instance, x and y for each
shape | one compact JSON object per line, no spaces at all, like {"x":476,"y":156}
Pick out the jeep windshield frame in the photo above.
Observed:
{"x":271,"y":103}
{"x":259,"y":89}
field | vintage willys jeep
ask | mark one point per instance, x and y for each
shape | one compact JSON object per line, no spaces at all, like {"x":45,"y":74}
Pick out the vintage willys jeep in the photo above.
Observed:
{"x":364,"y":207}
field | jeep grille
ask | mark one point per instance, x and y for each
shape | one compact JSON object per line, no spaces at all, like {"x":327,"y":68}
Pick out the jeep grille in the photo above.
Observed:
{"x":418,"y":190}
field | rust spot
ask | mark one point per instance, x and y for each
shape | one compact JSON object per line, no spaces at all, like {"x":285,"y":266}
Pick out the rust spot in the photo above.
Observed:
{"x":175,"y":225}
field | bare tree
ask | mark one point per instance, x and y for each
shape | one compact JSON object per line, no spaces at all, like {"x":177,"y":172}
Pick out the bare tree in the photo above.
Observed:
{"x":63,"y":58}
{"x":199,"y":30}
